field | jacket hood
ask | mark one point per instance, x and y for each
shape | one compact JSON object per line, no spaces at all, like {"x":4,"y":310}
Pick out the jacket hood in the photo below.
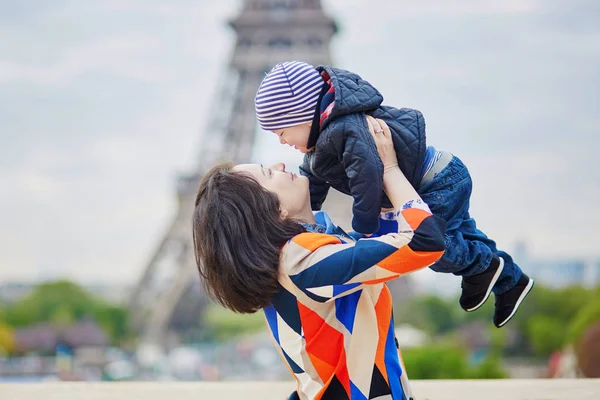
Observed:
{"x":352,"y":93}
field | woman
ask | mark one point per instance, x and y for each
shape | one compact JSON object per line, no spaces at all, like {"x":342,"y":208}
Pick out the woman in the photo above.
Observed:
{"x":259,"y":246}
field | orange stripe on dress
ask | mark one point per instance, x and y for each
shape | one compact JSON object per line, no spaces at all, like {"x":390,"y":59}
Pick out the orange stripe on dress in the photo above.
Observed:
{"x":312,"y":241}
{"x":383,"y":311}
{"x":322,"y":340}
{"x":405,"y":260}
{"x":414,"y":216}
{"x":341,"y":373}
{"x":326,"y":344}
{"x":324,"y":369}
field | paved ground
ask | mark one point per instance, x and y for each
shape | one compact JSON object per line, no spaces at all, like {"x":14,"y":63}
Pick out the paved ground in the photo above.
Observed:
{"x":588,"y":389}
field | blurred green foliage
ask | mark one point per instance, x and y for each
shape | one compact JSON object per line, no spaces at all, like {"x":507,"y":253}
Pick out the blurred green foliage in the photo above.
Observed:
{"x":586,"y":317}
{"x":545,"y":334}
{"x":447,"y":361}
{"x":436,"y":362}
{"x":547,"y":320}
{"x":490,"y":368}
{"x":62,"y":303}
{"x":224,"y":324}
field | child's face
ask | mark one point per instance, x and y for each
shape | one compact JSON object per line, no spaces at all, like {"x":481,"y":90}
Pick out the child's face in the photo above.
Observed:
{"x":295,"y":136}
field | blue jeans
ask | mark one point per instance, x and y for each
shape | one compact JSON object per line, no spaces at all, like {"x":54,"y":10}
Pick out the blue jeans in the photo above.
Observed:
{"x":468,"y":250}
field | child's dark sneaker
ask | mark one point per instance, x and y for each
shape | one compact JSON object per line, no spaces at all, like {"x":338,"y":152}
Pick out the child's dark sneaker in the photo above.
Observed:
{"x":477,"y":288}
{"x":508,"y":303}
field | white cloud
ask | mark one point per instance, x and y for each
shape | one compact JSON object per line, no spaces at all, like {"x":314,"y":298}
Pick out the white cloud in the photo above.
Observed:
{"x":384,"y":10}
{"x":119,"y":56}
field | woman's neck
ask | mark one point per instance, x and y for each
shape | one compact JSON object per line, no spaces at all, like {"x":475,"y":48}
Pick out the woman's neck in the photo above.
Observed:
{"x":306,"y":215}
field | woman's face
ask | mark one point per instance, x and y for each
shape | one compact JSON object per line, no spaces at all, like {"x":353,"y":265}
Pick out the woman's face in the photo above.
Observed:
{"x":291,"y":189}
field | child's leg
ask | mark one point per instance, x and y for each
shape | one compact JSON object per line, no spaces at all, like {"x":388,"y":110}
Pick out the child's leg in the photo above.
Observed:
{"x":469,"y":251}
{"x":467,"y":236}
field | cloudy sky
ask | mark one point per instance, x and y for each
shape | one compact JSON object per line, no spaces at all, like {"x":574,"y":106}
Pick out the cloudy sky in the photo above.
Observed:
{"x":102,"y":104}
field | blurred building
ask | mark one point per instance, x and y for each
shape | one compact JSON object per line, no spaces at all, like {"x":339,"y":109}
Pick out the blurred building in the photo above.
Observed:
{"x":559,"y":272}
{"x":46,"y":338}
{"x":408,"y":336}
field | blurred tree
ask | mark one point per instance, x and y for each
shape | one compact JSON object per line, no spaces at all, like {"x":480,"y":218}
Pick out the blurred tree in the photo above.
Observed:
{"x":430,"y":313}
{"x":224,"y":324}
{"x":447,"y":360}
{"x":544,"y":318}
{"x":546,"y":321}
{"x":114,"y":320}
{"x":436,"y":362}
{"x":404,"y":313}
{"x":584,"y":319}
{"x":62,"y":315}
{"x":497,"y":340}
{"x":561,"y":304}
{"x":44,"y":301}
{"x":490,"y":368}
{"x":546,"y":334}
{"x":65,"y":302}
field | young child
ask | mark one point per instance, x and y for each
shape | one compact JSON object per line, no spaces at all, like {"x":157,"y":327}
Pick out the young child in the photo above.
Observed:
{"x":321,"y":112}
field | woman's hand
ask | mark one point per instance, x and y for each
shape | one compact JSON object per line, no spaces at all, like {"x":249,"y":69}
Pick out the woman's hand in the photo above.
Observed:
{"x":395,"y":184}
{"x":383,"y":140}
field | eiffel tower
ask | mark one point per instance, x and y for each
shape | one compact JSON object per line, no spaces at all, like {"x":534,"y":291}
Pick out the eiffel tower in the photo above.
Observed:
{"x":168,"y":301}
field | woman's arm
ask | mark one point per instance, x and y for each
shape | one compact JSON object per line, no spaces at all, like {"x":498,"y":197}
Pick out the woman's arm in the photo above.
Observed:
{"x":396,"y":186}
{"x":325,"y":268}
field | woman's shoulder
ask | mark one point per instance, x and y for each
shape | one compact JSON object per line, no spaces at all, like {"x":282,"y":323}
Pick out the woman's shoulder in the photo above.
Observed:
{"x":306,"y":249}
{"x":298,"y":252}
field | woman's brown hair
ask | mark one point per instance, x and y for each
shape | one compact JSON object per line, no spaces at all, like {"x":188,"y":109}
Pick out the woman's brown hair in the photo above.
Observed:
{"x":238,"y":234}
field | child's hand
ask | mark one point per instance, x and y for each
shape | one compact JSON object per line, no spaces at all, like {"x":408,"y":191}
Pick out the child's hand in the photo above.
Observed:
{"x":383,"y":140}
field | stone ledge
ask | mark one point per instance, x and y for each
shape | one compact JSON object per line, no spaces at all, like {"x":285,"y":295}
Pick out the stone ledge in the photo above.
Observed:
{"x":539,"y":389}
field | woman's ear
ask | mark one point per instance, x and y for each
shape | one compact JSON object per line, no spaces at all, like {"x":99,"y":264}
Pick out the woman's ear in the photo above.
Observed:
{"x":283,"y":214}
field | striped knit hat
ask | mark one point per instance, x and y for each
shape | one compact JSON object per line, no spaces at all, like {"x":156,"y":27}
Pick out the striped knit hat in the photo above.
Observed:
{"x":288,"y":95}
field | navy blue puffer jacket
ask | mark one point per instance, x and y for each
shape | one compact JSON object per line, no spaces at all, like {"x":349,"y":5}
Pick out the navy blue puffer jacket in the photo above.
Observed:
{"x":345,"y":156}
